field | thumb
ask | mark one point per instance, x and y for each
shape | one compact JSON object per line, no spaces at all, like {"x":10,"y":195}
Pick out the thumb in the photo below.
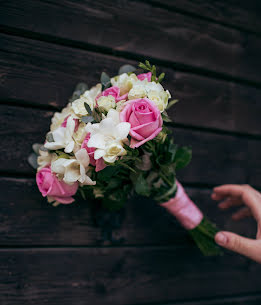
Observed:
{"x":242,"y":245}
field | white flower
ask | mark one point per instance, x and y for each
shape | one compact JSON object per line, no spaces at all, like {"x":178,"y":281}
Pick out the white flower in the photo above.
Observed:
{"x":45,"y":158}
{"x":59,"y":117}
{"x":88,"y":97}
{"x":124,"y":82}
{"x":137,"y":91}
{"x":153,"y":91}
{"x":80,"y":134}
{"x":108,"y":137}
{"x":74,"y":169}
{"x":106,"y":102}
{"x":63,"y":137}
{"x":79,"y":108}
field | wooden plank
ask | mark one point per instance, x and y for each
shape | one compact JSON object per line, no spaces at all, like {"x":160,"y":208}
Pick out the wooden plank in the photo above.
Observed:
{"x":112,"y":276}
{"x":238,"y":300}
{"x":27,"y":219}
{"x":240,"y":14}
{"x":161,"y":34}
{"x":224,"y":158}
{"x":45,"y":74}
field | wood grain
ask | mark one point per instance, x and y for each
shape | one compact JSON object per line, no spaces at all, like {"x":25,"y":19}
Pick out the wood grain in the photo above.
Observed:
{"x":38,"y":73}
{"x":224,"y":158}
{"x":112,"y":276}
{"x":162,"y":34}
{"x":27,"y":219}
{"x":239,"y":14}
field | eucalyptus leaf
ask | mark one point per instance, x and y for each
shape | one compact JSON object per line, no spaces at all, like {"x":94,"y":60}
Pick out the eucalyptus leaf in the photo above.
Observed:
{"x":87,"y":119}
{"x":42,"y":148}
{"x":82,"y":87}
{"x":183,"y":157}
{"x":105,"y":79}
{"x":32,"y":160}
{"x":88,"y":108}
{"x":142,"y":187}
{"x":171,"y":103}
{"x":36,"y":147}
{"x":126,"y":69}
{"x":49,"y":137}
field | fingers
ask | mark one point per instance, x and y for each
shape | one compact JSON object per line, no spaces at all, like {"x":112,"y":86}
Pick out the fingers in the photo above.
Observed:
{"x":245,"y":193}
{"x":229,"y":202}
{"x":244,"y":246}
{"x":242,"y":213}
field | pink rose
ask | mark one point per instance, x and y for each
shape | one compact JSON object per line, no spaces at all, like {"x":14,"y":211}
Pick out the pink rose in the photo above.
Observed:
{"x":64,"y":124}
{"x":144,"y":76}
{"x":145,"y":119}
{"x":115,"y":92}
{"x":100,"y":165}
{"x":49,"y":185}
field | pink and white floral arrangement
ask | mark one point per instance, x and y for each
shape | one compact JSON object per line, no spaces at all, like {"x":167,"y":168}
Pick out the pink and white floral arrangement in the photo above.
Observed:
{"x":112,"y":141}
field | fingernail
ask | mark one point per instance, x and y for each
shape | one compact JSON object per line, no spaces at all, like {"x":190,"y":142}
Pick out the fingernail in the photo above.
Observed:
{"x":221,"y":239}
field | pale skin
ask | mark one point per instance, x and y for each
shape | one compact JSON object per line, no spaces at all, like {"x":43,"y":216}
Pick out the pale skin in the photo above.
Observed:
{"x":249,"y":202}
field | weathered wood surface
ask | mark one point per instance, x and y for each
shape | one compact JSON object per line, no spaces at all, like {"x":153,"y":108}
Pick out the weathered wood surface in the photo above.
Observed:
{"x":241,"y":14}
{"x":109,"y":276}
{"x":225,"y":158}
{"x":161,"y":34}
{"x":210,"y":52}
{"x":30,"y":220}
{"x":53,"y":71}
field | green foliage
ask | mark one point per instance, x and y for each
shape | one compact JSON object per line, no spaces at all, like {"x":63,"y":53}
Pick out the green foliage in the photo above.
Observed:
{"x":94,"y":115}
{"x":32,"y":160}
{"x":152,"y":68}
{"x":141,"y":187}
{"x":105,"y":81}
{"x":79,"y":90}
{"x":126,"y":69}
{"x":49,"y":137}
{"x":183,"y":157}
{"x":171,"y":103}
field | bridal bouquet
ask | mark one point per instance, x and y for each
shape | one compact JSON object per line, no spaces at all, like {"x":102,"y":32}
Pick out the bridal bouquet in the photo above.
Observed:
{"x":112,"y":141}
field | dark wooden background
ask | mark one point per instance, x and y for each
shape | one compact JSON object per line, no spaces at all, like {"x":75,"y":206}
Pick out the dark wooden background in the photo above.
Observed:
{"x":210,"y":52}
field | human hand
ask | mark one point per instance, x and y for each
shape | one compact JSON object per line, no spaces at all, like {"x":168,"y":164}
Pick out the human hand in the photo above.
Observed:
{"x":238,"y":195}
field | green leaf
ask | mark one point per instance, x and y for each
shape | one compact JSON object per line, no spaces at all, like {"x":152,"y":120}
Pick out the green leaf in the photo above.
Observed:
{"x":79,"y":90}
{"x":105,"y":80}
{"x":87,"y":119}
{"x":165,"y":117}
{"x":88,"y":108}
{"x":161,"y":77}
{"x":171,"y":103}
{"x":32,"y":160}
{"x":183,"y":157}
{"x":36,"y":147}
{"x":82,"y":87}
{"x":126,"y":69}
{"x":49,"y":137}
{"x":142,"y":187}
{"x":97,"y":115}
{"x":142,"y":66}
{"x":147,"y":63}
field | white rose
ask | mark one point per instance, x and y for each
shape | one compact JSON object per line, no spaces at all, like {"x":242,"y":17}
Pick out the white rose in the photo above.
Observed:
{"x":45,"y":158}
{"x":124,"y":81}
{"x":159,"y":98}
{"x":59,"y":117}
{"x":106,"y":102}
{"x":137,"y":91}
{"x":80,"y":134}
{"x":78,"y":105}
{"x":113,"y":151}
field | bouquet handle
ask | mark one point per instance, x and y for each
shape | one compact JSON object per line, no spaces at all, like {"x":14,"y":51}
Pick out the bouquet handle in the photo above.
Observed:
{"x":192,"y":219}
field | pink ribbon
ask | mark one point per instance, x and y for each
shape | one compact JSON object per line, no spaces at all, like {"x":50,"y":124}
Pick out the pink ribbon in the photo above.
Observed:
{"x":184,"y":209}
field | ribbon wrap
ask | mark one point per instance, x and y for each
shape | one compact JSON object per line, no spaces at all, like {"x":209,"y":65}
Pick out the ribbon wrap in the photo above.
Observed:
{"x":184,"y":209}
